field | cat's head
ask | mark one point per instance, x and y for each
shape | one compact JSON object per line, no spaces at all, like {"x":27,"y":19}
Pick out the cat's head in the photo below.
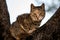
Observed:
{"x":37,"y":12}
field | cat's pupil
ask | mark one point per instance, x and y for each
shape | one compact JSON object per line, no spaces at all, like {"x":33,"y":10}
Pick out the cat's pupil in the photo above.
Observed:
{"x":39,"y":13}
{"x":35,"y":15}
{"x":39,"y":9}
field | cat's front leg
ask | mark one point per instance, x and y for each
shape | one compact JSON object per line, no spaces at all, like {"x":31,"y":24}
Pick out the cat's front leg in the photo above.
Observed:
{"x":22,"y":27}
{"x":31,"y":31}
{"x":26,"y":31}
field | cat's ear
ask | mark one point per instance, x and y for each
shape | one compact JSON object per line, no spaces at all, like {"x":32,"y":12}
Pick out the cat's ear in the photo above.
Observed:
{"x":32,"y":7}
{"x":43,"y":6}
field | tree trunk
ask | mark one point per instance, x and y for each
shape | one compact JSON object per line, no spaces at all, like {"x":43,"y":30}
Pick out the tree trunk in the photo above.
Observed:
{"x":4,"y":19}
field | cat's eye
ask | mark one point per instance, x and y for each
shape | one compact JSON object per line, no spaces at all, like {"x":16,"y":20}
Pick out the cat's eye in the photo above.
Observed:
{"x":34,"y":13}
{"x":39,"y":9}
{"x":39,"y":13}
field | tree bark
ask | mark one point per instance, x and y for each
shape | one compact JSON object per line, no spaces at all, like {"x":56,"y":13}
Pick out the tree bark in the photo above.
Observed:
{"x":4,"y":19}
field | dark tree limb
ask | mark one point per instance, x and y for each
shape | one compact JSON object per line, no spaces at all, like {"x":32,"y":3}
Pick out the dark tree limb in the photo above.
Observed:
{"x":4,"y":19}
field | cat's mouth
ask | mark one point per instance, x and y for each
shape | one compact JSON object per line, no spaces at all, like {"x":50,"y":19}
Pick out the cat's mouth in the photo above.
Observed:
{"x":40,"y":18}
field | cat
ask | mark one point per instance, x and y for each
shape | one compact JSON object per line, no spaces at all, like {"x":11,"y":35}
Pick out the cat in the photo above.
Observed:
{"x":27,"y":23}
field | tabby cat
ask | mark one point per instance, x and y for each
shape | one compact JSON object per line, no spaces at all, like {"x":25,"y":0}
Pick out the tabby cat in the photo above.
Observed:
{"x":27,"y":23}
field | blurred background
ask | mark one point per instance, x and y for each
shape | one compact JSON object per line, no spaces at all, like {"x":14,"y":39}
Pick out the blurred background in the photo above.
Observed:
{"x":19,"y":7}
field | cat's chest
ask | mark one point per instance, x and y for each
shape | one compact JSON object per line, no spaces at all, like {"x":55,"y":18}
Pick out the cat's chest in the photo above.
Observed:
{"x":27,"y":22}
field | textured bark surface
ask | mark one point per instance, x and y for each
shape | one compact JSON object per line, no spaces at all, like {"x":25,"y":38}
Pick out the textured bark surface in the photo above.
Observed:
{"x":49,"y":31}
{"x":4,"y":18}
